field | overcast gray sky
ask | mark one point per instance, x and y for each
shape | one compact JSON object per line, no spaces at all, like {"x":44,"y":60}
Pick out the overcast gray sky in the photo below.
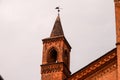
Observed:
{"x":89,"y":26}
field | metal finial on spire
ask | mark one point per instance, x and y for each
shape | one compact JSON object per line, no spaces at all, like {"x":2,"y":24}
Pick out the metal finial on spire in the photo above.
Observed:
{"x":58,"y":8}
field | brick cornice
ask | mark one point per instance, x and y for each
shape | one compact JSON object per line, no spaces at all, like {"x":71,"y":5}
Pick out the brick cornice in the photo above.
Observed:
{"x":118,"y":43}
{"x":53,"y":39}
{"x":117,"y":4}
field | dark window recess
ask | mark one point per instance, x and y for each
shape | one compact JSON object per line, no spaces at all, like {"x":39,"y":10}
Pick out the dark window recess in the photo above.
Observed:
{"x":52,"y":56}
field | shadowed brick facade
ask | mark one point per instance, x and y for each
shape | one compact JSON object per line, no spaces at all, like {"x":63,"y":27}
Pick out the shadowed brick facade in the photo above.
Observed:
{"x":56,"y":57}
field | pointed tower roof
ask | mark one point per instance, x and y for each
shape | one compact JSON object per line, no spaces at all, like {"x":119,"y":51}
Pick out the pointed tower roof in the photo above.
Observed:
{"x":57,"y":28}
{"x":57,"y":33}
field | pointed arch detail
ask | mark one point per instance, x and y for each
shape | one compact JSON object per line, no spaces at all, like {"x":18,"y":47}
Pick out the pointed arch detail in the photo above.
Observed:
{"x":52,"y":55}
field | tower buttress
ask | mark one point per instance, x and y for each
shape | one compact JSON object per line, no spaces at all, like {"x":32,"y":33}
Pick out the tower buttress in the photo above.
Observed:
{"x":117,"y":18}
{"x":56,"y":55}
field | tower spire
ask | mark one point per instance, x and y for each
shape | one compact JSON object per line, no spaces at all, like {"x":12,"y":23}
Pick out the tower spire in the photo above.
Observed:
{"x":57,"y":28}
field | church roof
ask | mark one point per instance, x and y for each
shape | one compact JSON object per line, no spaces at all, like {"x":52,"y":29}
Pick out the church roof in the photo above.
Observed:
{"x":94,"y":66}
{"x":57,"y":29}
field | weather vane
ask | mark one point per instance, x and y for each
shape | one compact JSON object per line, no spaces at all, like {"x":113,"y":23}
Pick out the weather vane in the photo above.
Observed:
{"x":58,"y":8}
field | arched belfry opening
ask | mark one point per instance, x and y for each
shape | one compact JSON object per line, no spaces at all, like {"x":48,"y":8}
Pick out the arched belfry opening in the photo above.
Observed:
{"x":52,"y":56}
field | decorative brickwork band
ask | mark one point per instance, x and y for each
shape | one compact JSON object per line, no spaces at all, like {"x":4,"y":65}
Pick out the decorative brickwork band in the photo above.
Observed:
{"x":55,"y":67}
{"x":117,"y":4}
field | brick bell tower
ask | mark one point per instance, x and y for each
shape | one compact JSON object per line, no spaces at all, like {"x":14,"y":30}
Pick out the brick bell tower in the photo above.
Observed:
{"x":117,"y":17}
{"x":56,"y":54}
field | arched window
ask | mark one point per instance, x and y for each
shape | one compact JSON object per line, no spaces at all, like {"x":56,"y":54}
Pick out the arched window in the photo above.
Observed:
{"x":52,"y":56}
